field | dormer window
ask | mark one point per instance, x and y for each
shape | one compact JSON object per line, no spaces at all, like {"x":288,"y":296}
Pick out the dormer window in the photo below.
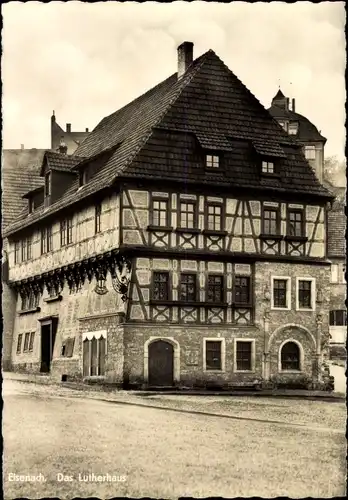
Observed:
{"x":48,"y":184}
{"x":30,"y":205}
{"x":82,"y":177}
{"x":212,"y":161}
{"x":293,"y":128}
{"x":284,"y":125}
{"x":268,"y":167}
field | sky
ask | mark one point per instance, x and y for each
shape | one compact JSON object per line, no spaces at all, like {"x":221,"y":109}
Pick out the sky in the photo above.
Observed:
{"x":85,"y":61}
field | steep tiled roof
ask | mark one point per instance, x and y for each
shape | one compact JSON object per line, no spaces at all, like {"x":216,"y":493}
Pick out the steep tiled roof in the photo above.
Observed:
{"x":306,"y":130}
{"x":20,"y":173}
{"x":336,"y":222}
{"x":209,"y":100}
{"x":59,"y":161}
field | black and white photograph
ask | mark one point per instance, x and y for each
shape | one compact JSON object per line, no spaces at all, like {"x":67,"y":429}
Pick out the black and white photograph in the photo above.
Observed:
{"x":174,"y":318}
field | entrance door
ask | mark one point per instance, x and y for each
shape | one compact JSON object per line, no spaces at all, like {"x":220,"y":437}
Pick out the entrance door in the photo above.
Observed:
{"x":161,"y":363}
{"x":48,"y":337}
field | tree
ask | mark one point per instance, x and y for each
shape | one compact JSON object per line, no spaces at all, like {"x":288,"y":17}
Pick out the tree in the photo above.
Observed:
{"x":335,"y":171}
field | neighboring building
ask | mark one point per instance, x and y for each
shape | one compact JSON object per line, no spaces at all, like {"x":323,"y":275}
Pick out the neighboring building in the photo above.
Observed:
{"x":20,"y":174}
{"x":182,"y":244}
{"x":307,"y":135}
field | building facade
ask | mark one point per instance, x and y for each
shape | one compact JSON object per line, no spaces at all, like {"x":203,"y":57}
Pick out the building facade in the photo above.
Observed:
{"x":306,"y":134}
{"x":182,"y":244}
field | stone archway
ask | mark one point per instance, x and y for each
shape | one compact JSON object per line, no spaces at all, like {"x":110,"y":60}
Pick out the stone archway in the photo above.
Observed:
{"x":161,"y":361}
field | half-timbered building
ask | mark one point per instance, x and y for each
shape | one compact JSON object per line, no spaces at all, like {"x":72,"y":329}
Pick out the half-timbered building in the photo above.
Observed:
{"x":182,"y":244}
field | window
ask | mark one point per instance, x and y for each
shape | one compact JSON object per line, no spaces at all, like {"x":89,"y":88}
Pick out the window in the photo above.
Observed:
{"x":94,"y":351}
{"x":267,"y":167}
{"x":97,"y":218}
{"x":68,"y":347}
{"x":160,"y":213}
{"x":214,"y":216}
{"x":212,"y":161}
{"x":65,"y":232}
{"x":338,"y":318}
{"x":48,"y":184}
{"x":188,"y":291}
{"x":19,"y":343}
{"x":290,"y":356}
{"x":26,"y":342}
{"x":270,"y":221}
{"x":213,"y":355}
{"x":281,"y":293}
{"x":241,"y":290}
{"x":24,"y":303}
{"x":46,"y":240}
{"x":187,"y":214}
{"x":17,"y":252}
{"x":284,"y":125}
{"x":305,"y":293}
{"x":26,"y":249}
{"x":334,"y":273}
{"x":295,"y":223}
{"x":215,"y":288}
{"x":244,"y":355}
{"x":32,"y":300}
{"x":310,"y":152}
{"x":293,"y":127}
{"x":160,"y":286}
{"x":31,"y":341}
{"x":30,"y":205}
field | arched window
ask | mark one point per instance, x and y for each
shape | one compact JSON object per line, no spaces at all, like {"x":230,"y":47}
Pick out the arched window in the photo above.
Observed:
{"x":290,"y":356}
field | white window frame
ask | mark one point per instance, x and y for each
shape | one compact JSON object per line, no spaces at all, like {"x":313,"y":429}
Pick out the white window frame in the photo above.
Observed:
{"x":280,"y":356}
{"x":313,"y":293}
{"x":293,"y":128}
{"x":310,"y":149}
{"x":223,"y":354}
{"x":268,"y":167}
{"x":212,"y":161}
{"x":288,"y":293}
{"x":253,"y":355}
{"x":334,"y":275}
{"x":284,"y":125}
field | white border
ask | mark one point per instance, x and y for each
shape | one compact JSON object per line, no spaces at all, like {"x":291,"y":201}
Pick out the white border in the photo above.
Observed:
{"x":288,"y":293}
{"x":223,"y":354}
{"x":280,"y":356}
{"x":235,"y":370}
{"x":313,"y":294}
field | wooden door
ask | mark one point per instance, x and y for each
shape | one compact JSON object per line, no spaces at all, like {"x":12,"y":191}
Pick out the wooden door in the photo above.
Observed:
{"x":161,"y":363}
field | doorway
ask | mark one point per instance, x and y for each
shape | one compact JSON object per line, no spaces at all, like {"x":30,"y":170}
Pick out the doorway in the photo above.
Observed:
{"x":161,"y":363}
{"x":48,"y":337}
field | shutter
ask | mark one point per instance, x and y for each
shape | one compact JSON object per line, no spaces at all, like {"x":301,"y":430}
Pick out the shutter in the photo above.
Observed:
{"x":102,"y":342}
{"x":86,"y":358}
{"x":94,"y":356}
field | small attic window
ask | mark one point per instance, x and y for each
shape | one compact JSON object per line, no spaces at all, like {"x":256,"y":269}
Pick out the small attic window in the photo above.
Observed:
{"x":284,"y":125}
{"x":82,"y":178}
{"x":48,"y":184}
{"x":268,"y":167}
{"x":212,"y":161}
{"x":30,"y":205}
{"x":293,"y":128}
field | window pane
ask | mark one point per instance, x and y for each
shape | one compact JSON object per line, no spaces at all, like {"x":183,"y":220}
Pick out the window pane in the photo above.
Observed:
{"x":290,"y":356}
{"x":305,"y":294}
{"x":279,"y":293}
{"x":160,"y":286}
{"x":242,"y":289}
{"x":188,"y":287}
{"x":213,"y":355}
{"x":31,"y":342}
{"x":215,"y":289}
{"x":19,"y":342}
{"x":243,"y":356}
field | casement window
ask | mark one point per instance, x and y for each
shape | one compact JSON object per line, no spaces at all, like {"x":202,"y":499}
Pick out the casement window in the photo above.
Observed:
{"x":310,"y":152}
{"x":242,"y":290}
{"x":31,"y":341}
{"x":47,"y":184}
{"x":66,"y":232}
{"x":46,"y":239}
{"x":338,"y":317}
{"x":26,"y":249}
{"x":244,"y":355}
{"x":94,"y":352}
{"x":188,"y":287}
{"x":26,"y":342}
{"x":268,"y":167}
{"x":17,"y":252}
{"x":214,"y":217}
{"x":19,"y":343}
{"x":214,"y":354}
{"x":281,"y":292}
{"x":187,"y":215}
{"x":212,"y":161}
{"x":293,"y":128}
{"x":305,"y":293}
{"x":215,"y":292}
{"x":160,"y":213}
{"x":68,"y":347}
{"x":160,"y":286}
{"x":270,"y":221}
{"x":290,"y":356}
{"x":295,"y":223}
{"x":97,"y":217}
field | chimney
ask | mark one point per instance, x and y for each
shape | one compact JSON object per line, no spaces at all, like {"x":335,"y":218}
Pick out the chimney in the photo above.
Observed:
{"x":293,"y":105}
{"x":86,"y":129}
{"x":185,"y":57}
{"x":287,"y":104}
{"x":63,"y":148}
{"x":68,"y":127}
